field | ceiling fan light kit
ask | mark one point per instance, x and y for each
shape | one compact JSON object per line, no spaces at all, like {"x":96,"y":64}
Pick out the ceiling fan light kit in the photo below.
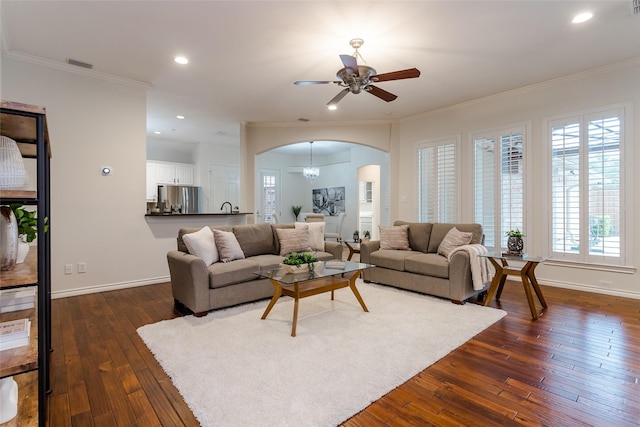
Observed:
{"x":358,"y":78}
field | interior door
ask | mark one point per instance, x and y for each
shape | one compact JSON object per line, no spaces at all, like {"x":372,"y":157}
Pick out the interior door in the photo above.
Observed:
{"x":269,"y":195}
{"x":369,"y":200}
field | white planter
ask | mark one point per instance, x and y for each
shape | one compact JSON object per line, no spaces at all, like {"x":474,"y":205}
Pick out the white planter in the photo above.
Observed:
{"x":8,"y":399}
{"x":23,"y":251}
{"x":302,"y":268}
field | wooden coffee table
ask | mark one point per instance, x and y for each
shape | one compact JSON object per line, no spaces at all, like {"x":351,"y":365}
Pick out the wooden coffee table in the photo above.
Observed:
{"x":302,"y":285}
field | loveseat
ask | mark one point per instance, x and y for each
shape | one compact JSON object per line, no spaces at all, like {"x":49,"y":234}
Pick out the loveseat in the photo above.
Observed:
{"x":215,"y":266}
{"x":416,"y":264}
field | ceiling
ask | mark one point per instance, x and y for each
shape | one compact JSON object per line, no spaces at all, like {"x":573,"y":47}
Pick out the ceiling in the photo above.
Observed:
{"x":245,"y":55}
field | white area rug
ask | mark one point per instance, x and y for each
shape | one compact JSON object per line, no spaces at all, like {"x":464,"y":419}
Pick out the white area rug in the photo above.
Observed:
{"x":234,"y":369}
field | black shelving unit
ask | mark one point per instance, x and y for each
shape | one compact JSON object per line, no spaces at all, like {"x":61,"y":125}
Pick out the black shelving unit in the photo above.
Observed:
{"x":26,"y":124}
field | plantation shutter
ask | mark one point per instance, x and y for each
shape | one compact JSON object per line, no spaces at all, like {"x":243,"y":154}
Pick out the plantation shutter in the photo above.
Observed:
{"x":499,"y":184}
{"x":586,"y":222}
{"x":437,"y":182}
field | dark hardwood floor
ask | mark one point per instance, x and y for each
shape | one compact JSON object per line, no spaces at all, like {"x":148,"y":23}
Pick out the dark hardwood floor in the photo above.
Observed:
{"x":578,"y":365}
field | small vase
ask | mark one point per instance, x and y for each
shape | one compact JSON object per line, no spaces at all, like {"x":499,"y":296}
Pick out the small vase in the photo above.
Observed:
{"x":23,"y":251}
{"x":515,"y":245}
{"x":8,"y":239}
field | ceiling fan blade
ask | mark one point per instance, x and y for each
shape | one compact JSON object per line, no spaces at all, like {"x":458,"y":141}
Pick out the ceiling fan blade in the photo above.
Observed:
{"x":339,"y":96}
{"x":381,"y":93}
{"x":314,"y":82}
{"x":410,"y":73}
{"x":350,"y":64}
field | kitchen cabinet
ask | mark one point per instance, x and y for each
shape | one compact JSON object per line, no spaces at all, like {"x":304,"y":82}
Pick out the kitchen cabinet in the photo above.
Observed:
{"x":29,"y":364}
{"x":167,"y":173}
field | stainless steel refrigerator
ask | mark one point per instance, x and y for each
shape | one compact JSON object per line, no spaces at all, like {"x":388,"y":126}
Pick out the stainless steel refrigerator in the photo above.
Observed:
{"x":186,"y":199}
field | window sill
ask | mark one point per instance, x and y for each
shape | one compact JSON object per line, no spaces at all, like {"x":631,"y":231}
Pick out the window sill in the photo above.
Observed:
{"x":625,"y":269}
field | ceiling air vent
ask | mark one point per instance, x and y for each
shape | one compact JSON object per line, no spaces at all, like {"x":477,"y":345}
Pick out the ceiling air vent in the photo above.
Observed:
{"x":635,"y":7}
{"x":79,"y":63}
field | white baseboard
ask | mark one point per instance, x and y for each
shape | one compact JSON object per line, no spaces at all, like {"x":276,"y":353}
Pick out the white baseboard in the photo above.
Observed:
{"x":592,"y":289}
{"x":108,"y":287}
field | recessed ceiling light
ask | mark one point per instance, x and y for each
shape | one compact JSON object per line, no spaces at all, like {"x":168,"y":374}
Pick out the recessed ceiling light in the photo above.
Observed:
{"x":332,"y":107}
{"x":582,"y":17}
{"x":181,"y":60}
{"x":180,"y":117}
{"x":157,"y":132}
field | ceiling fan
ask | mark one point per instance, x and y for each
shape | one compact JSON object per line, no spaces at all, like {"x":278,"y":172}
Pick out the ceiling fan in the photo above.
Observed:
{"x":356,"y":78}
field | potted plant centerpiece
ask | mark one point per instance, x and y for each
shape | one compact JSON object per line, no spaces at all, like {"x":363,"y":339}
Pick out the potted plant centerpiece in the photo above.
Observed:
{"x":356,"y":236}
{"x":299,"y":262}
{"x":515,"y":244}
{"x":366,"y":235}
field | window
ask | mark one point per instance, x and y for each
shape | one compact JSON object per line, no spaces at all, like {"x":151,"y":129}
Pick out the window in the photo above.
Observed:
{"x":587,"y":224}
{"x":499,"y":184}
{"x":437,"y":181}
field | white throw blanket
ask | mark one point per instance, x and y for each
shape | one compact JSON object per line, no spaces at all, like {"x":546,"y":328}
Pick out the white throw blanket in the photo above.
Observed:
{"x":481,"y":270}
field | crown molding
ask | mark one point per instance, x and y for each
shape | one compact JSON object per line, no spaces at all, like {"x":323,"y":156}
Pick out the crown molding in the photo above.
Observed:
{"x":63,"y":66}
{"x":621,"y":65}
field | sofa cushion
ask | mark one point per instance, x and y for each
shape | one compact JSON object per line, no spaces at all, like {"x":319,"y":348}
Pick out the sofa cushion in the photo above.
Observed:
{"x":390,"y":258}
{"x":225,"y":274}
{"x":440,"y":230}
{"x":228,"y":246}
{"x":316,"y":234}
{"x":396,"y":237}
{"x":255,"y":239}
{"x":452,"y":240}
{"x":202,"y":244}
{"x":428,"y":264}
{"x":419,"y":233}
{"x":275,"y":228}
{"x":293,"y":240}
{"x":267,"y":261}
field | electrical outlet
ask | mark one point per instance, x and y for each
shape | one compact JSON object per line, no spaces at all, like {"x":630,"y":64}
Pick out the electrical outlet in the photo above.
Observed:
{"x":82,"y":267}
{"x":68,"y":268}
{"x":606,"y":283}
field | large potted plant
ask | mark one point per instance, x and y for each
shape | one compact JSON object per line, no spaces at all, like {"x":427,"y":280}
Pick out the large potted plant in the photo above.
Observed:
{"x":515,"y":244}
{"x":296,"y":211}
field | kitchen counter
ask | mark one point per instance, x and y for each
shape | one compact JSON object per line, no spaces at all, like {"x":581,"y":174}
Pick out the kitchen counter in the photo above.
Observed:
{"x":168,"y":225}
{"x":165,"y":215}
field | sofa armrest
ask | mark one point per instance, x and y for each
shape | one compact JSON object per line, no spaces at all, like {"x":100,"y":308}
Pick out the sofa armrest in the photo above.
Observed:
{"x":334,"y":249}
{"x":460,"y":282}
{"x":189,"y":280}
{"x":366,"y":248}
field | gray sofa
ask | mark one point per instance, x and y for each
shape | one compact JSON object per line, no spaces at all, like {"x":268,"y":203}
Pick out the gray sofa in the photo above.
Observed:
{"x":201,"y":288}
{"x":422,"y":269}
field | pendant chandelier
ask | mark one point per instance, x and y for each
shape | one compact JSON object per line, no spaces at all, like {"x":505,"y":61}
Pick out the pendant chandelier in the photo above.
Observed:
{"x":310,"y":172}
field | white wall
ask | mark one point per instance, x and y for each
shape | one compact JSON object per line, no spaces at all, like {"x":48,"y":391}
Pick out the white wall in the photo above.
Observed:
{"x":530,"y":106}
{"x":337,"y":171}
{"x":100,"y":220}
{"x":616,"y":84}
{"x":94,"y":219}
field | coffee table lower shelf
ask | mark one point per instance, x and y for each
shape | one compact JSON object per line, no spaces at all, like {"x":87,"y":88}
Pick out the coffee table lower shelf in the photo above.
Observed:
{"x":299,"y":290}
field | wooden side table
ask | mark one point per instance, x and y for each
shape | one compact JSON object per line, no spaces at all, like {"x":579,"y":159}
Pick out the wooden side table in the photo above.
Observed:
{"x":526,"y":273}
{"x":354,"y":248}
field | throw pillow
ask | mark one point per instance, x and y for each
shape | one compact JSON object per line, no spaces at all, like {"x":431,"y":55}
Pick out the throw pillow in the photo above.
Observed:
{"x":293,"y":240}
{"x":452,"y":240}
{"x":396,"y":237}
{"x":316,"y":234}
{"x":227,"y":245}
{"x":202,"y":244}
